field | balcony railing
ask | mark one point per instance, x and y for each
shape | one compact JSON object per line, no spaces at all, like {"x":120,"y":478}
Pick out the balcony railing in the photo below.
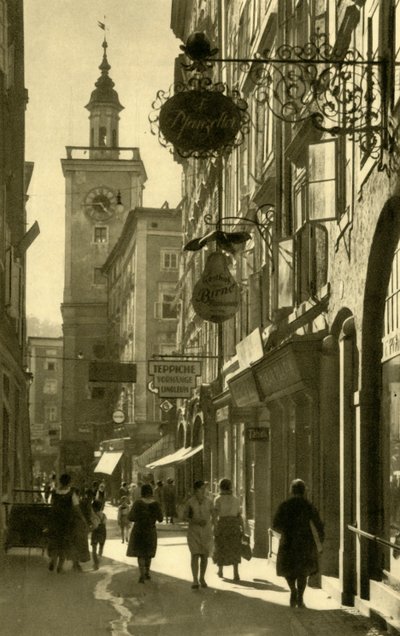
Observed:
{"x":102,"y":152}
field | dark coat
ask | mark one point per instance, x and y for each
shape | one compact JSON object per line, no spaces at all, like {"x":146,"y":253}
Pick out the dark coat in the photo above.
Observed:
{"x":297,"y":553}
{"x":143,"y":537}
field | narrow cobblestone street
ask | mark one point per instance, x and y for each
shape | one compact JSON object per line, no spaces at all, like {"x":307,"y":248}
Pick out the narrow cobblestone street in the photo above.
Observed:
{"x":37,"y":602}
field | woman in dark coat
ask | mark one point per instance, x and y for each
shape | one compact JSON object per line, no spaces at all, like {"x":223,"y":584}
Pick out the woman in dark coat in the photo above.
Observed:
{"x":61,"y":524}
{"x":297,"y":553}
{"x":143,"y":538}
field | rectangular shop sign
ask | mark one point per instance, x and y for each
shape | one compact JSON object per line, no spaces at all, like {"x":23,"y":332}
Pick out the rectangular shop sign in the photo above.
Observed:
{"x":174,"y":378}
{"x":257,"y":434}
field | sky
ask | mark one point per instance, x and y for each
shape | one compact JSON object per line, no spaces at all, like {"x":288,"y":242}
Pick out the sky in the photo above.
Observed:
{"x":62,"y":54}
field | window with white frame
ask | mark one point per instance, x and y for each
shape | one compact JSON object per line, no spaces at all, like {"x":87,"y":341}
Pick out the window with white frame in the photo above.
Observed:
{"x":50,"y":386}
{"x":100,"y":234}
{"x":322,"y":180}
{"x":50,"y":413}
{"x":169,"y":260}
{"x":165,"y":306}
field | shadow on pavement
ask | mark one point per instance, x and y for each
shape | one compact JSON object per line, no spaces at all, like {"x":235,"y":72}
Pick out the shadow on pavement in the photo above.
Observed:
{"x":257,"y":584}
{"x":167,"y":606}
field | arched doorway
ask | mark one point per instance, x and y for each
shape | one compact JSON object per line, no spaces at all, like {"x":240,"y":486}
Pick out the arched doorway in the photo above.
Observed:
{"x":378,"y":401}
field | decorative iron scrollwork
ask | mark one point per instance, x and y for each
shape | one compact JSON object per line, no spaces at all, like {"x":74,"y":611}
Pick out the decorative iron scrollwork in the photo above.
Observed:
{"x":261,"y":218}
{"x":340,"y":90}
{"x":200,"y":118}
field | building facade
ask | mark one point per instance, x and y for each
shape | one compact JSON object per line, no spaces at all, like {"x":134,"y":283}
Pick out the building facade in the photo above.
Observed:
{"x":312,"y":354}
{"x":142,"y":274}
{"x":103,"y":182}
{"x":45,"y":359}
{"x":15,"y":174}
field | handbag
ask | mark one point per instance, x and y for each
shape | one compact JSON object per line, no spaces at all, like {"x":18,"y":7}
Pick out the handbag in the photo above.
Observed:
{"x":316,"y":538}
{"x":245,"y":549}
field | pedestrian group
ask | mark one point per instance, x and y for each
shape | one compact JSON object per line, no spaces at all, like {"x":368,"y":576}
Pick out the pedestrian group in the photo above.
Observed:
{"x":214,"y":528}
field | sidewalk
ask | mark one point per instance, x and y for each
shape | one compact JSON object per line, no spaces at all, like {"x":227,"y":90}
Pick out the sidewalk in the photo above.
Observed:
{"x":323,"y":616}
{"x":36,"y":602}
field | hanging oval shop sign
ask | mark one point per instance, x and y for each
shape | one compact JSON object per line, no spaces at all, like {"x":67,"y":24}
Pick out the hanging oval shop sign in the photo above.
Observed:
{"x":216,"y":295}
{"x":200,"y":121}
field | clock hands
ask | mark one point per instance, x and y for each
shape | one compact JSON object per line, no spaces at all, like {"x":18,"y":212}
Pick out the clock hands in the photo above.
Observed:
{"x":101,"y":205}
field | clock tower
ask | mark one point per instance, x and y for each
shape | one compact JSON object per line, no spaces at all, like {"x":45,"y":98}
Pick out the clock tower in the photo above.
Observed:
{"x":103,"y":182}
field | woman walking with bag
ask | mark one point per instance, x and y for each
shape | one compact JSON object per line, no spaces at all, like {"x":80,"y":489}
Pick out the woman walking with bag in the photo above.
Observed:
{"x":228,"y":529}
{"x":143,"y":538}
{"x":302,"y":533}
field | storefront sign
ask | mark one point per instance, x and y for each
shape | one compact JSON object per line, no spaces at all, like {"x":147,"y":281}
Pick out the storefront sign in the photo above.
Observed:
{"x":250,"y":349}
{"x":243,"y":389}
{"x":200,"y":120}
{"x":216,"y":295}
{"x":174,"y":378}
{"x":391,"y":346}
{"x":291,"y":368}
{"x":257,"y":434}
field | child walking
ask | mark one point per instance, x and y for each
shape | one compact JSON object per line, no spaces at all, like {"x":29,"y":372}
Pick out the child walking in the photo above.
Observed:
{"x":122,"y":518}
{"x":99,"y":532}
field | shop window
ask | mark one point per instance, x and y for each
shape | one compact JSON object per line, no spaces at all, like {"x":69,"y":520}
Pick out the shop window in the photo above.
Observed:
{"x":391,"y":403}
{"x":100,"y":234}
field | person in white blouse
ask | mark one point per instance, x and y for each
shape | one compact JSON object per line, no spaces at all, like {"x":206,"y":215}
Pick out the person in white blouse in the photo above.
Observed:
{"x":228,"y":529}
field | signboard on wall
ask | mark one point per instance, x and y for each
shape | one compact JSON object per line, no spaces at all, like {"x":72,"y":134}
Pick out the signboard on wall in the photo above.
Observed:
{"x":257,"y":434}
{"x":174,"y":378}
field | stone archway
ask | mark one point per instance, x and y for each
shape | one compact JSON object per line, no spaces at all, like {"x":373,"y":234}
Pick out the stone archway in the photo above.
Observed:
{"x":371,"y":467}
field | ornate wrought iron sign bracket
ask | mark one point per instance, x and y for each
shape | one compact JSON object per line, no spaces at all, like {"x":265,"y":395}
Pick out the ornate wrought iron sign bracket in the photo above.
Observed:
{"x":340,"y":91}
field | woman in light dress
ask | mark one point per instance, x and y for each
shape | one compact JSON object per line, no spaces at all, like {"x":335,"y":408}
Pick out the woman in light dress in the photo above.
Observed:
{"x":199,"y":512}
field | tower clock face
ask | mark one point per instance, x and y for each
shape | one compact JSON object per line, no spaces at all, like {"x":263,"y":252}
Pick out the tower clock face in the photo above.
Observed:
{"x":100,"y":203}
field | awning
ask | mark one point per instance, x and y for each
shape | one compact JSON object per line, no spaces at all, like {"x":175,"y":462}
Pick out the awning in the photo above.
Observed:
{"x":162,"y":447}
{"x":181,"y":455}
{"x":108,"y":463}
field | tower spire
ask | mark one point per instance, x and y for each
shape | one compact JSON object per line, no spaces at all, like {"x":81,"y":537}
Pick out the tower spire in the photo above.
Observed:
{"x":104,"y":106}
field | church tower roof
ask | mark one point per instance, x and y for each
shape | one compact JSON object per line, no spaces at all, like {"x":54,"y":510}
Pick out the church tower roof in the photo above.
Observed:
{"x":104,"y":93}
